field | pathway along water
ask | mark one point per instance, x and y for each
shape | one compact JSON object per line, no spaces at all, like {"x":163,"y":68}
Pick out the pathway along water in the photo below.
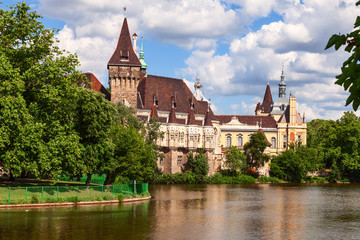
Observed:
{"x":259,"y":211}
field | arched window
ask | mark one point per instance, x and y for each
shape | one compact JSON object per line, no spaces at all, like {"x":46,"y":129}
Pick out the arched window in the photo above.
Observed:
{"x":273,"y":142}
{"x":228,"y":140}
{"x":240,"y":141}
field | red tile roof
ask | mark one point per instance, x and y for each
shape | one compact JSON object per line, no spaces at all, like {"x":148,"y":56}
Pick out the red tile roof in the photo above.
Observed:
{"x":165,"y":89}
{"x":265,"y":121}
{"x":124,"y":54}
{"x":267,"y":101}
{"x":96,"y":85}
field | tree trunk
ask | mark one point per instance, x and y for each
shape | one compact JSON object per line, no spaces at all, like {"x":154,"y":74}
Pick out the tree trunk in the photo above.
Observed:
{"x":108,"y":180}
{"x":88,"y":180}
{"x":79,"y":177}
{"x":11,"y":178}
{"x":71,"y":178}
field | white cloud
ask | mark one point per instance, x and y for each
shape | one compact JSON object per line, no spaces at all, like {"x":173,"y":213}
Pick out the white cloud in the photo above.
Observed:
{"x":248,"y":63}
{"x":298,"y":41}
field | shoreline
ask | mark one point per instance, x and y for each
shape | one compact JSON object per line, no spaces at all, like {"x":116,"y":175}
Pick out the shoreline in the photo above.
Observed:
{"x":72,"y":204}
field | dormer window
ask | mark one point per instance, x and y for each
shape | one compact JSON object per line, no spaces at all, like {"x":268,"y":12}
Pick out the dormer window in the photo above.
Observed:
{"x":124,"y":55}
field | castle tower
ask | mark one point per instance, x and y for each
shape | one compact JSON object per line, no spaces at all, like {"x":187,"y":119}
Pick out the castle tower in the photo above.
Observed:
{"x":124,"y":70}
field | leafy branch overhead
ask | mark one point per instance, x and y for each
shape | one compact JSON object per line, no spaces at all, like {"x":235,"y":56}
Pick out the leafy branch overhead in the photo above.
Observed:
{"x":350,"y":71}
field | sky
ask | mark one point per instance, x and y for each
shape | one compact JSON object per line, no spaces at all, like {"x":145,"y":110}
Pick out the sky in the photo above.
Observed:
{"x":235,"y":47}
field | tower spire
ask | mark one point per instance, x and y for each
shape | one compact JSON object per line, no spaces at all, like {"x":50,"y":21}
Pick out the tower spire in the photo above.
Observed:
{"x":198,"y":87}
{"x":282,"y":84}
{"x":141,"y":55}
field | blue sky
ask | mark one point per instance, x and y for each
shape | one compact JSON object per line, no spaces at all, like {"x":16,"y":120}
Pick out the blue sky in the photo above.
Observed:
{"x":236,"y":47}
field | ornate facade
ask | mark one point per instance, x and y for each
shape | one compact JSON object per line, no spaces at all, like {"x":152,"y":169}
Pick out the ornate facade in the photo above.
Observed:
{"x":187,"y":120}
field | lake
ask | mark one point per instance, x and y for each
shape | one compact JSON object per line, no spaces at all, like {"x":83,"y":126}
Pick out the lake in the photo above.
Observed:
{"x":253,"y":211}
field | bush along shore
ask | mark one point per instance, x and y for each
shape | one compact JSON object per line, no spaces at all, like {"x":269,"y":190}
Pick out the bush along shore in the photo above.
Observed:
{"x":227,"y":177}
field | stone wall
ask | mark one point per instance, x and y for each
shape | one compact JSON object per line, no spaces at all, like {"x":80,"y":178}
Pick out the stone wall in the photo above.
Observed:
{"x":123,"y":81}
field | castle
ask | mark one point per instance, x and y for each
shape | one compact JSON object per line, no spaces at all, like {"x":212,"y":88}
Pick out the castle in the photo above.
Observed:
{"x":187,"y":120}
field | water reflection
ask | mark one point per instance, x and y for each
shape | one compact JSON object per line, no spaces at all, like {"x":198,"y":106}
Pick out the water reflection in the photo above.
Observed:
{"x":259,"y":211}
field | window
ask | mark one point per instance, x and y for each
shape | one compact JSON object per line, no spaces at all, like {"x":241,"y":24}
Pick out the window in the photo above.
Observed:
{"x":284,"y":141}
{"x":240,"y":141}
{"x":182,"y":137}
{"x":191,"y":138}
{"x":273,"y":142}
{"x":179,"y":160}
{"x":299,"y":138}
{"x":228,"y":141}
{"x":161,"y":161}
{"x":172,"y":137}
{"x":208,"y":139}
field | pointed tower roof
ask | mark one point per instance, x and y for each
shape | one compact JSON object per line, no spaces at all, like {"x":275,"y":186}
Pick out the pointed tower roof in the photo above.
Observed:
{"x":267,"y":101}
{"x":142,"y":60}
{"x":124,"y":54}
{"x":172,"y":116}
{"x":191,"y":117}
{"x":207,"y":121}
{"x":154,"y":113}
{"x":208,"y":117}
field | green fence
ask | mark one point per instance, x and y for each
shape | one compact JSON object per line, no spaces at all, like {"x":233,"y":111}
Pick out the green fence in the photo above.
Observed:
{"x":68,"y":193}
{"x":95,"y":178}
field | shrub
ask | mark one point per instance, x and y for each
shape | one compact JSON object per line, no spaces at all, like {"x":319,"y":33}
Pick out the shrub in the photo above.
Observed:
{"x":120,"y":197}
{"x":34,"y":199}
{"x":74,"y":199}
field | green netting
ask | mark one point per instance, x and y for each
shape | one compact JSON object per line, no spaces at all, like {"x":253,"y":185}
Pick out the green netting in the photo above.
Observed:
{"x":68,"y":193}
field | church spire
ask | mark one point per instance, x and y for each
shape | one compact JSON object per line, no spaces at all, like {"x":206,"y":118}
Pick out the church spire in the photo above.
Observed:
{"x":142,"y":61}
{"x":282,"y":85}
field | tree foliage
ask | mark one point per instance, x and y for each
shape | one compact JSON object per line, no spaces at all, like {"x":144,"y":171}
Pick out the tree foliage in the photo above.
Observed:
{"x":350,"y":70}
{"x":49,"y":124}
{"x":288,"y":166}
{"x":254,"y":150}
{"x":235,"y":159}
{"x":198,"y":163}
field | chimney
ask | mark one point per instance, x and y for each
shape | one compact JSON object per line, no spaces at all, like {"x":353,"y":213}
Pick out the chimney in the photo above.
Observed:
{"x":292,"y":109}
{"x":134,"y":41}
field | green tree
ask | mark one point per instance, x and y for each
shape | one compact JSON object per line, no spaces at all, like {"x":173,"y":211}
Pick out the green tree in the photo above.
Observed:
{"x":235,"y":160}
{"x":198,"y":163}
{"x":350,"y":71}
{"x":288,"y":166}
{"x":254,"y":150}
{"x":133,"y":147}
{"x":94,"y":120}
{"x":46,"y":81}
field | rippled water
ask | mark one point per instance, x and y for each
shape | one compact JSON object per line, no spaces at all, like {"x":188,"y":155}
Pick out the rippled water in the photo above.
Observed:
{"x":259,"y":211}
